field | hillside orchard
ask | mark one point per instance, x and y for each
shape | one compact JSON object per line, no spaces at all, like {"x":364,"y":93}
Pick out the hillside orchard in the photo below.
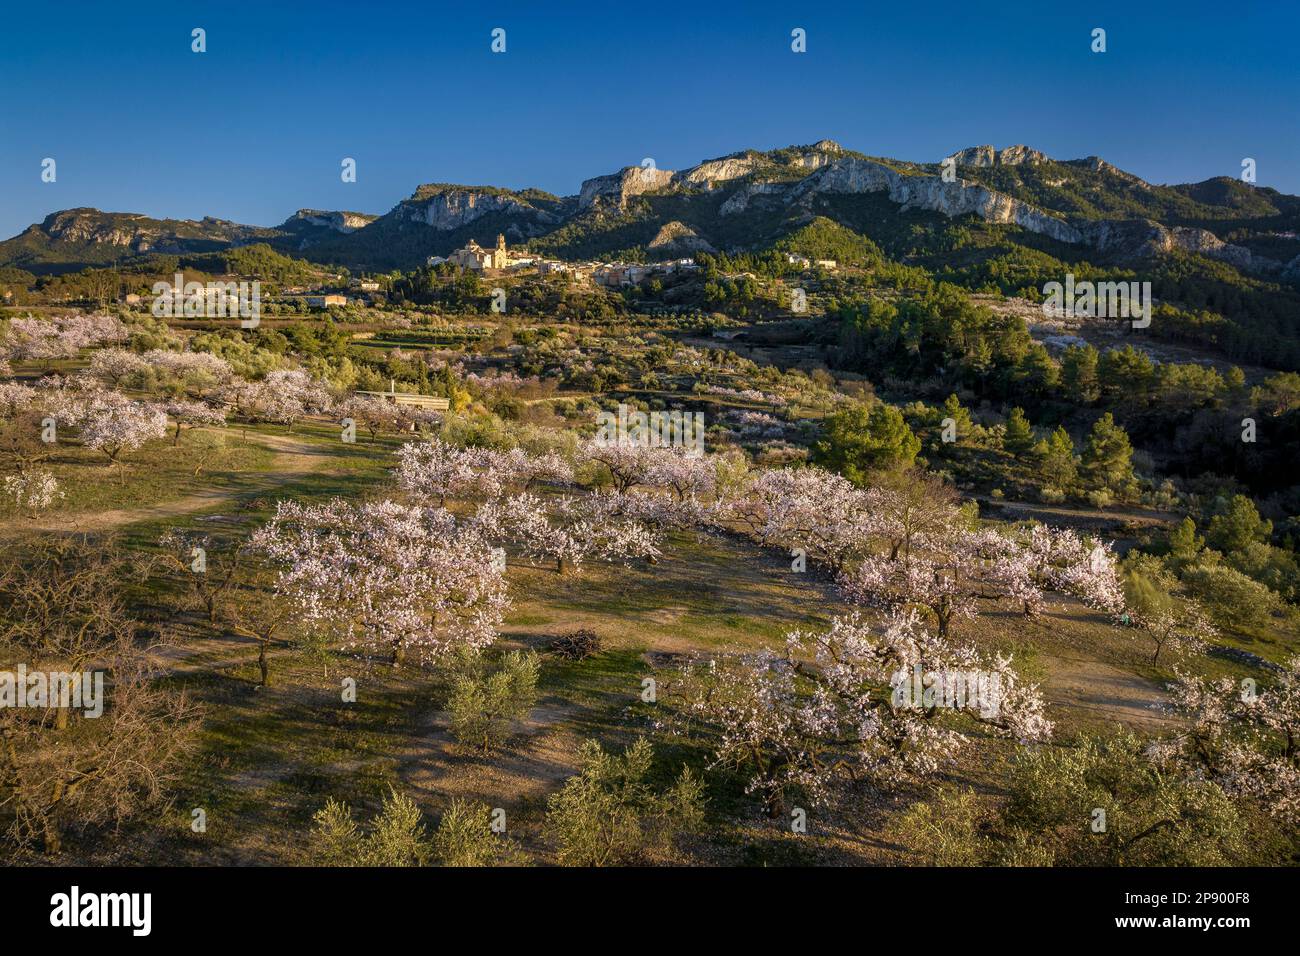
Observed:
{"x":347,"y":626}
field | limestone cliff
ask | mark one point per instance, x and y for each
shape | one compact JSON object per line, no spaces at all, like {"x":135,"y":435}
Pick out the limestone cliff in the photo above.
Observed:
{"x":616,"y":188}
{"x":339,"y":221}
{"x":921,"y":191}
{"x":988,"y":156}
{"x":450,"y":207}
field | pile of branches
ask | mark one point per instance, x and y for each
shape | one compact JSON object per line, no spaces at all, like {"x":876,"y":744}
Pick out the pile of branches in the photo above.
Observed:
{"x":576,"y":645}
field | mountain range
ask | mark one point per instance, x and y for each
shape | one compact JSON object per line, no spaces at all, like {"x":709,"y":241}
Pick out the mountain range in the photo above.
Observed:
{"x":1078,"y":209}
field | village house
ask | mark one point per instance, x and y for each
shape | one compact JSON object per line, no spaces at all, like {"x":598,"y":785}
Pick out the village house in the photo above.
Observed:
{"x":325,"y":301}
{"x":430,"y":402}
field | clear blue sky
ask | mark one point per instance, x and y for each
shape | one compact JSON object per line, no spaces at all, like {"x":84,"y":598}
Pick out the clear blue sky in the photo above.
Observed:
{"x":256,"y":127}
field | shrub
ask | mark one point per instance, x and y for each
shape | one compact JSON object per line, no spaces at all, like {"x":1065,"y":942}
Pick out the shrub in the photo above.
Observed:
{"x":465,"y":838}
{"x":1051,"y":495}
{"x":1230,"y":596}
{"x":610,"y":814}
{"x":1272,"y":567}
{"x":397,"y":836}
{"x":1103,"y":803}
{"x":485,"y":705}
{"x":945,"y":831}
{"x":1101,"y":498}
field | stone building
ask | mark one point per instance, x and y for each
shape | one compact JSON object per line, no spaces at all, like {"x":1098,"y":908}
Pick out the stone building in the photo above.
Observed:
{"x":474,"y":256}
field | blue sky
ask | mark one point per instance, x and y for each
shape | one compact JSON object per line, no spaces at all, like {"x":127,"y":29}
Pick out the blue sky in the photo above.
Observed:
{"x":256,"y":127}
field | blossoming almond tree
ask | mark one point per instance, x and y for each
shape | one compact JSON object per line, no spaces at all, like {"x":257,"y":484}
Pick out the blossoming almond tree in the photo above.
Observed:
{"x":943,"y":574}
{"x":434,"y":470}
{"x":283,"y":397}
{"x":115,"y":424}
{"x":189,"y":413}
{"x":948,"y":572}
{"x":526,"y":470}
{"x":15,"y":397}
{"x":1182,"y":629}
{"x":687,"y":476}
{"x":373,"y":414}
{"x":197,"y":373}
{"x":1058,"y":559}
{"x":628,"y":463}
{"x":386,"y":577}
{"x":1245,"y":740}
{"x":808,"y":508}
{"x":46,"y":340}
{"x":822,"y":712}
{"x":569,"y":529}
{"x":32,"y":491}
{"x":111,"y":366}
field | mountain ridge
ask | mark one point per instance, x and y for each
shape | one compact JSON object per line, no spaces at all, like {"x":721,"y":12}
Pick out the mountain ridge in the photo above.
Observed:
{"x":741,"y":201}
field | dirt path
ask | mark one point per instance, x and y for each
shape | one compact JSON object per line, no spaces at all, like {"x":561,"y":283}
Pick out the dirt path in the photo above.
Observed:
{"x":1068,"y":515}
{"x":1103,"y":693}
{"x":295,"y":458}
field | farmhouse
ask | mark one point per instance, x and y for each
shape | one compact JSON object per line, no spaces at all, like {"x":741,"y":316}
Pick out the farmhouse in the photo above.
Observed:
{"x":431,"y":402}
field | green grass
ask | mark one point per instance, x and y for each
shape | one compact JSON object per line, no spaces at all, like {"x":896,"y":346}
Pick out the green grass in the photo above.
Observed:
{"x":268,"y":759}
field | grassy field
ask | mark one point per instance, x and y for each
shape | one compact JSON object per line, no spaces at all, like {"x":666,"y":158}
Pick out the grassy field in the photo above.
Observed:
{"x":269,"y":757}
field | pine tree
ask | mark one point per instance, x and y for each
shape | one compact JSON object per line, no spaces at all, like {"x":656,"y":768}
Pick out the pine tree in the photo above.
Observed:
{"x":1057,"y":459}
{"x":858,"y":441}
{"x":1107,"y":457}
{"x":952,"y":408}
{"x":1238,"y":526}
{"x":1019,"y":436}
{"x":1184,"y":544}
{"x":1079,"y":373}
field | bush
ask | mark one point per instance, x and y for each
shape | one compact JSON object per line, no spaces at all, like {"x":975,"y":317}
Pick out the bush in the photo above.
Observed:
{"x":1101,"y":498}
{"x":485,"y":706}
{"x":1230,"y":596}
{"x":397,"y":836}
{"x":945,"y":831}
{"x":610,"y":814}
{"x":1272,"y":567}
{"x":465,"y":838}
{"x":1051,"y":495}
{"x":1103,"y":803}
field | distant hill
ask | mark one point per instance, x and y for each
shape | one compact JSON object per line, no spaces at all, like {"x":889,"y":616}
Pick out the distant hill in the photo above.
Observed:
{"x":1013,"y":198}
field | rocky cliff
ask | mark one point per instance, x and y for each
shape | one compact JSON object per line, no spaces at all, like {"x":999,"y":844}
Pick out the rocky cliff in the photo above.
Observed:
{"x":931,"y":192}
{"x":339,"y":221}
{"x":447,"y":208}
{"x":616,"y":188}
{"x":988,"y":156}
